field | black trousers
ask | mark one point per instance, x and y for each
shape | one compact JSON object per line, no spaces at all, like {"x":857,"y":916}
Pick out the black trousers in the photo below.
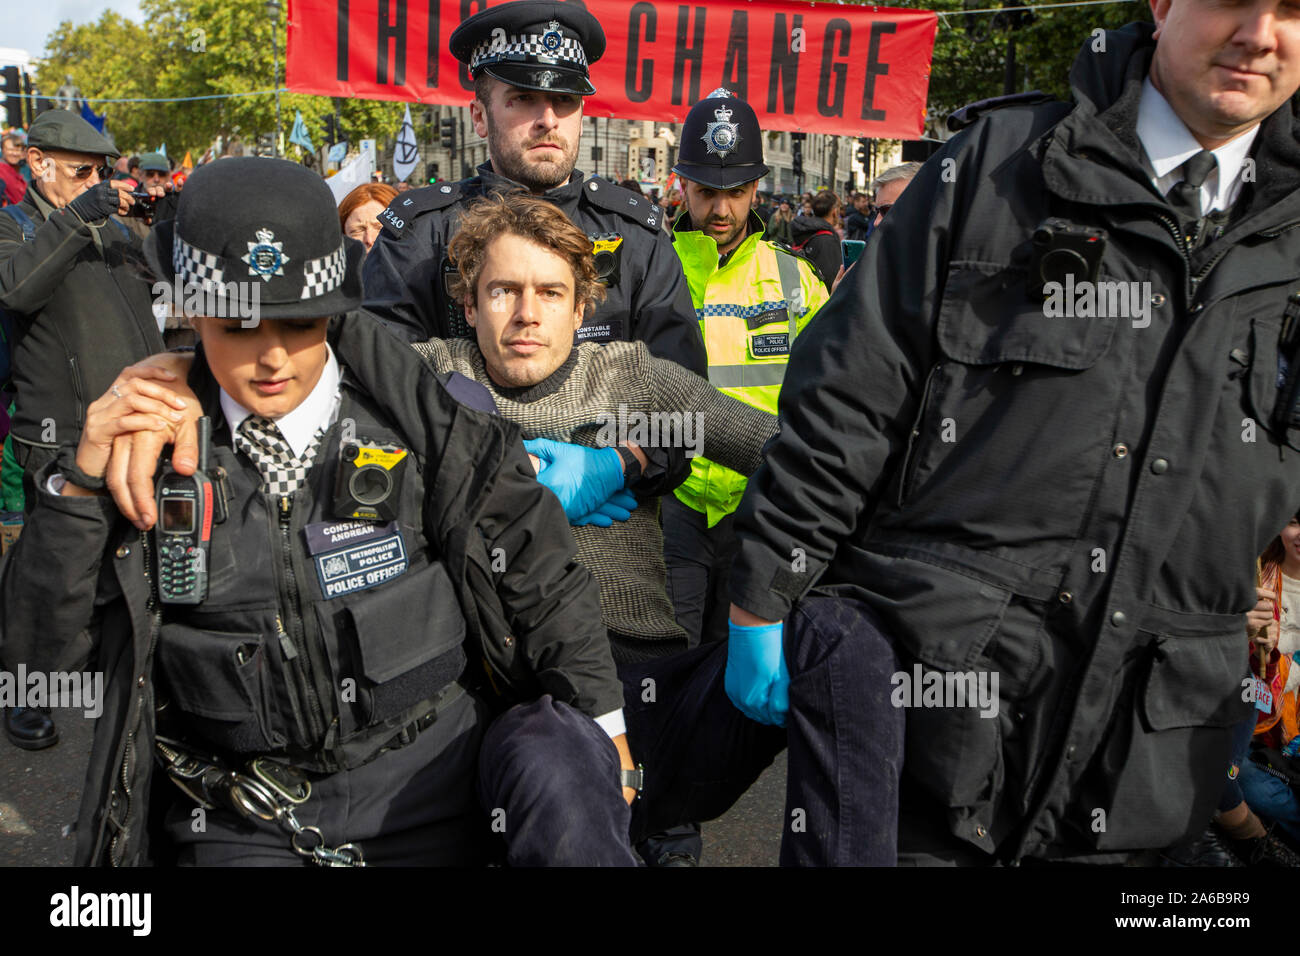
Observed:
{"x":698,"y":559}
{"x":414,"y":806}
{"x":553,"y":773}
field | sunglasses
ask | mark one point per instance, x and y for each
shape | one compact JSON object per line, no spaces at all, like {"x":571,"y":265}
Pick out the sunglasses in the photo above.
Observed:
{"x":84,"y":170}
{"x":883,"y":210}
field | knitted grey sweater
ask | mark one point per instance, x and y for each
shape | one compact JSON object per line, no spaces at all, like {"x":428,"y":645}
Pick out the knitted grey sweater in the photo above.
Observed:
{"x":582,"y":403}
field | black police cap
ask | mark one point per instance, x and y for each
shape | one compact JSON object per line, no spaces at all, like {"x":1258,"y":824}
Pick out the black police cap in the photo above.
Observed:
{"x":265,"y":221}
{"x":721,"y":145}
{"x":533,"y":44}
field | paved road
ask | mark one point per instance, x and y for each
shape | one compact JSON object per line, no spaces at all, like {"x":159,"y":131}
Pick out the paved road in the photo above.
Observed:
{"x":40,"y":792}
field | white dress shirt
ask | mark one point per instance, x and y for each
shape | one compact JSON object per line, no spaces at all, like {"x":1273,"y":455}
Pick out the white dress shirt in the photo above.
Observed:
{"x":1167,"y":143}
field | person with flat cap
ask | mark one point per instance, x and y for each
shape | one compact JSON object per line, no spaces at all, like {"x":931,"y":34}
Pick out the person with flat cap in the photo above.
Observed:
{"x":321,"y":695}
{"x":69,"y":278}
{"x":530,"y":61}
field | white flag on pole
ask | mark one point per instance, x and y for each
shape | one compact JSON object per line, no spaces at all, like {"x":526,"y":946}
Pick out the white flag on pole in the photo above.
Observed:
{"x":405,"y":151}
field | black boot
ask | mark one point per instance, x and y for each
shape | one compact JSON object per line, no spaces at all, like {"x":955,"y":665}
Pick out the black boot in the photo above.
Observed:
{"x":1267,"y":850}
{"x":1207,"y":849}
{"x":30,"y":728}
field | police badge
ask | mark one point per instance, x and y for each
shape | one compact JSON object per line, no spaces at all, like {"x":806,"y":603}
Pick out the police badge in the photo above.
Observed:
{"x":265,"y":257}
{"x":721,"y":137}
{"x":552,"y":37}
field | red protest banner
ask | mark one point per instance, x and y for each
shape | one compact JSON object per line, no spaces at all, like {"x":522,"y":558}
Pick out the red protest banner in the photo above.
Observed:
{"x":859,"y":71}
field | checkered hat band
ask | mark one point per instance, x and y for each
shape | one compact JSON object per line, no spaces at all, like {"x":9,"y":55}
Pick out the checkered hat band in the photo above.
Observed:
{"x":193,"y":265}
{"x":321,"y":276}
{"x":527,"y":47}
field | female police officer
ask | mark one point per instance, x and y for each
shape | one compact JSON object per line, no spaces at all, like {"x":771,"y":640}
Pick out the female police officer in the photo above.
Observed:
{"x":304,"y":678}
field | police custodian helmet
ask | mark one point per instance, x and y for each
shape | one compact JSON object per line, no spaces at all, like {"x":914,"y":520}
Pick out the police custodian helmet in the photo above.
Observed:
{"x":265,"y":221}
{"x":533,"y":44}
{"x":721,"y":143}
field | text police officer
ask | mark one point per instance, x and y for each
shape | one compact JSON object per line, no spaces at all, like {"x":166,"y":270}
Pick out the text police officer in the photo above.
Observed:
{"x":530,"y":64}
{"x":310,"y":684}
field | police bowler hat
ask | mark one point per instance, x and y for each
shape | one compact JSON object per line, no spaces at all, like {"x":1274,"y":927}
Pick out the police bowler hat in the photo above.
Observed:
{"x":264,"y":221}
{"x":721,"y":145}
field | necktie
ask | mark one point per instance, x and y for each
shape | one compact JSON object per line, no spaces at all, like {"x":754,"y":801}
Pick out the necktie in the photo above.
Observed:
{"x":282,"y":472}
{"x":1185,"y":197}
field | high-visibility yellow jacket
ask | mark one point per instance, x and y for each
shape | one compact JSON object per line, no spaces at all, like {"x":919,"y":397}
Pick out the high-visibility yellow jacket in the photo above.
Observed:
{"x":748,"y":331}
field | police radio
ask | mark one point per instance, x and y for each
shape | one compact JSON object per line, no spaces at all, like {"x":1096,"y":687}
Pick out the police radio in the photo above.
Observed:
{"x":183,"y":534}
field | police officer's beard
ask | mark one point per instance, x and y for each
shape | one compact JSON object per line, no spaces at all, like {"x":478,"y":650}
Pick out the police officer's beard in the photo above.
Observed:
{"x":537,"y":176}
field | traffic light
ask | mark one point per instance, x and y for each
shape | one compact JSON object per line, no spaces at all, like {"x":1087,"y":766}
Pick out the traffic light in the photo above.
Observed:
{"x":862,"y":153}
{"x":796,"y":156}
{"x":332,"y":130}
{"x":266,"y":144}
{"x":13,"y":102}
{"x":447,"y":133}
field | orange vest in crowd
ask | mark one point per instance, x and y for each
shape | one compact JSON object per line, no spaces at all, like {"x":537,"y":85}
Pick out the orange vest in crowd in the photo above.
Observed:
{"x":1282,"y":722}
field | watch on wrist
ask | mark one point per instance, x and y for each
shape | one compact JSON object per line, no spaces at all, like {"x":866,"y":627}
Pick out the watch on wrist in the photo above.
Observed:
{"x":633,"y":778}
{"x":631,"y":465}
{"x":66,"y":460}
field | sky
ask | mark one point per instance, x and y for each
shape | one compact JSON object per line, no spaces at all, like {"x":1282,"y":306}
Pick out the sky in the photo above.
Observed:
{"x":26,"y":25}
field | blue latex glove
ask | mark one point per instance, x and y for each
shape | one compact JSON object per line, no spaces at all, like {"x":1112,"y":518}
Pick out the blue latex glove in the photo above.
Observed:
{"x":757,"y":680}
{"x":619,"y":507}
{"x":582,"y":478}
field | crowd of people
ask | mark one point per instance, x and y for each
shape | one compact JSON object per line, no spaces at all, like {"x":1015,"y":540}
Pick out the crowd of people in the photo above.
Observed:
{"x":527,"y":519}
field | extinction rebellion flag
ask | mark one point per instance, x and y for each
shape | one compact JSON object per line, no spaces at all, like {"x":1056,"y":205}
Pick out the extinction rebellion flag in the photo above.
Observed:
{"x":831,"y":68}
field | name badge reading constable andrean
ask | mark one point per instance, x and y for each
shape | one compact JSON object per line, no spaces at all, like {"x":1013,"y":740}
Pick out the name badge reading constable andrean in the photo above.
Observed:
{"x":369,"y":556}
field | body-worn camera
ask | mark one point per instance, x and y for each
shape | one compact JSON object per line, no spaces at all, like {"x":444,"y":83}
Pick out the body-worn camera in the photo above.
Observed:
{"x":1062,"y":249}
{"x":607,"y":252}
{"x":368,"y":484}
{"x":143,"y":207}
{"x":187,"y":507}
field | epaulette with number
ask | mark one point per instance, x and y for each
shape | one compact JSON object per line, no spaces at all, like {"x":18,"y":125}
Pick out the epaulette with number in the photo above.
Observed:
{"x":967,"y":115}
{"x":413,"y":202}
{"x":614,"y":198}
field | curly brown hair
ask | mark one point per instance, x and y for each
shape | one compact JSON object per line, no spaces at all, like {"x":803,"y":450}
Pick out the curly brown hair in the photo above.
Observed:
{"x":531,"y":218}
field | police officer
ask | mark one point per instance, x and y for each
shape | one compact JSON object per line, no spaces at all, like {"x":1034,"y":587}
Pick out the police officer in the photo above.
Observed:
{"x":530,"y":62}
{"x":1064,"y":502}
{"x":752,"y":297}
{"x":316,"y":695}
{"x":79,"y":308}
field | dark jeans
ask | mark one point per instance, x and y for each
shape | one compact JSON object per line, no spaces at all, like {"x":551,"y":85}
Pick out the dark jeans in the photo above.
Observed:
{"x":698,"y":559}
{"x":554,"y":773}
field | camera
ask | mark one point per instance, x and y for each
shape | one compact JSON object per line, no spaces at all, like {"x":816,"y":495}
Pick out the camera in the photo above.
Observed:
{"x":368,"y":484}
{"x":607,"y":250}
{"x":1061,"y":249}
{"x":143,"y":207}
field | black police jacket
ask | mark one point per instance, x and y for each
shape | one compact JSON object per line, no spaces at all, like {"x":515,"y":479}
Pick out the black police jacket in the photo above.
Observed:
{"x":83,"y":310}
{"x":647,"y":298}
{"x":318,"y":655}
{"x":1073,"y":503}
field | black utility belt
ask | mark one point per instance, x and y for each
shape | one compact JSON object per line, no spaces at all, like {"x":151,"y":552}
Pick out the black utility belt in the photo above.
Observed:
{"x":271,"y":788}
